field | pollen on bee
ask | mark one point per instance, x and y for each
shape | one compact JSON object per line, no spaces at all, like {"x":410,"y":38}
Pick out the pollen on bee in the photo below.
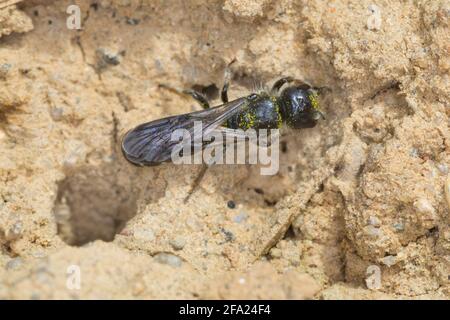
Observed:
{"x":314,"y":102}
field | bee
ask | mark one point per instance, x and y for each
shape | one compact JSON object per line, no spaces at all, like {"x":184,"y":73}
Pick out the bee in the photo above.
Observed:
{"x":296,"y":106}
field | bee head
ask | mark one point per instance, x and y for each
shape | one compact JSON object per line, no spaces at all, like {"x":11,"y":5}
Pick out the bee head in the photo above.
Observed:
{"x":300,"y":107}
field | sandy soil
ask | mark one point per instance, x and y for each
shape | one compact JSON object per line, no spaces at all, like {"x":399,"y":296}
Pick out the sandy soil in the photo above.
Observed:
{"x":359,"y":209}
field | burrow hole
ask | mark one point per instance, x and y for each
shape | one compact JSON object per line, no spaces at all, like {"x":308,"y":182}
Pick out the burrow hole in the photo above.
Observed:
{"x":91,"y":204}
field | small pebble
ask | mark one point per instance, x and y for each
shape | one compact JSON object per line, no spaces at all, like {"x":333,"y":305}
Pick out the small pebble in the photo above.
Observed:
{"x":15,"y":231}
{"x":275,"y":253}
{"x":158,"y":65}
{"x":76,"y":152}
{"x":43,"y":275}
{"x":399,"y":227}
{"x":443,"y":168}
{"x":144,"y":234}
{"x":424,"y":206}
{"x":132,"y":21}
{"x":373,"y":221}
{"x":4,"y":70}
{"x":14,"y":264}
{"x":414,"y":153}
{"x":167,"y":258}
{"x":39,"y":254}
{"x":178,"y":243}
{"x":229,"y":236}
{"x":240,"y":217}
{"x":194,"y":224}
{"x":373,"y":232}
{"x":56,"y":113}
{"x":374,"y":20}
{"x":106,"y":57}
{"x":389,"y":260}
{"x":231,"y":204}
{"x":373,"y":277}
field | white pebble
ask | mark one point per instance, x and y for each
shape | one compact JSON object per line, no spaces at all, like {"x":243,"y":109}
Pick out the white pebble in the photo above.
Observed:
{"x":170,"y":259}
{"x":178,"y":243}
{"x":443,"y":168}
{"x":389,"y":260}
{"x":14,"y":264}
{"x":56,"y":113}
{"x":399,"y":227}
{"x":144,"y":234}
{"x":275,"y":253}
{"x":424,"y":206}
{"x":374,"y":20}
{"x":240,"y":217}
{"x":373,"y":277}
{"x":373,"y":232}
{"x":15,"y":231}
{"x":373,"y":221}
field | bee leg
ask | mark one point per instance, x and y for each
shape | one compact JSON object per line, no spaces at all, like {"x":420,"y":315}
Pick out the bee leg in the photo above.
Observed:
{"x":322,"y":90}
{"x":200,"y":98}
{"x":196,"y":182}
{"x":224,"y":93}
{"x":226,"y":82}
{"x":279,"y":83}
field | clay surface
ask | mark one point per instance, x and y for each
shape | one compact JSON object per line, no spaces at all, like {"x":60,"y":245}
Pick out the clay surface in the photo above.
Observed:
{"x":359,"y":208}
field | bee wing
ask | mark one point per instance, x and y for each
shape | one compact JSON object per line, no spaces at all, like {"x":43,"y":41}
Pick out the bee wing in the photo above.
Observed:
{"x":150,"y":143}
{"x":232,"y":136}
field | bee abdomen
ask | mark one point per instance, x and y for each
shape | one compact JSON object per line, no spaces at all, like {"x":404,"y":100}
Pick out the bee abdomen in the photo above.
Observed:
{"x":263,"y":113}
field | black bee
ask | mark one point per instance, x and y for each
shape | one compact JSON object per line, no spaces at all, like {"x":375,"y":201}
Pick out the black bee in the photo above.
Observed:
{"x":295,"y":106}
